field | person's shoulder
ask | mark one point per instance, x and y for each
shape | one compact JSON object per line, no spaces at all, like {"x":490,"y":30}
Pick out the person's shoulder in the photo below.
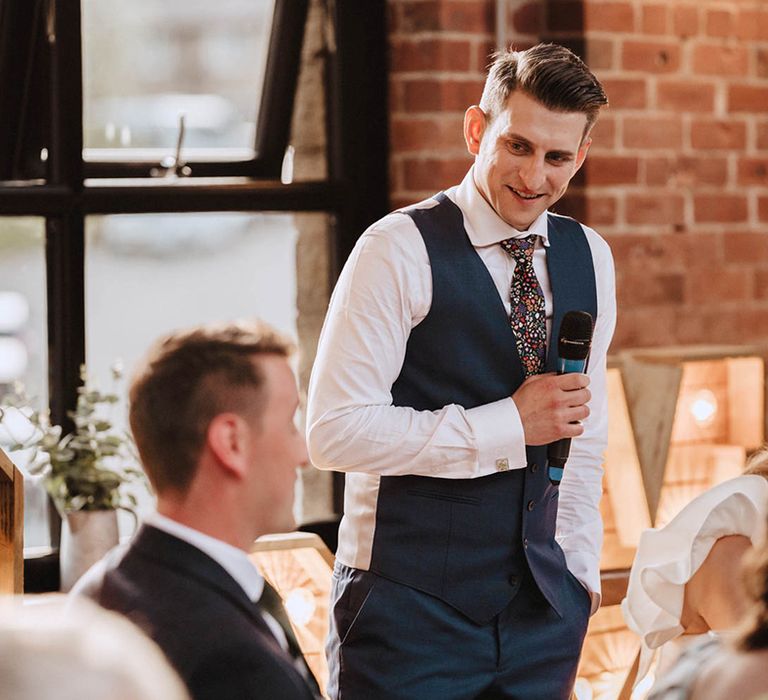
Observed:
{"x":395,"y":236}
{"x":732,"y":674}
{"x":398,"y":220}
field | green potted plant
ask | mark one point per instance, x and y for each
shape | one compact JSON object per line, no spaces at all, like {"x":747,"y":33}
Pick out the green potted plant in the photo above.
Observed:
{"x":85,"y":471}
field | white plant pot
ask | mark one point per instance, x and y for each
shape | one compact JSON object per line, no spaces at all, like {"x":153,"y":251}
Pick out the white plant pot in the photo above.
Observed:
{"x":86,"y":536}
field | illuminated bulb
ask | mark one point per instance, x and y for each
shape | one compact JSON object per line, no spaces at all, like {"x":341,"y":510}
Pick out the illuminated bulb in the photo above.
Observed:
{"x":582,"y":689}
{"x":300,"y":606}
{"x":13,"y":359}
{"x":703,"y":406}
{"x":14,"y":311}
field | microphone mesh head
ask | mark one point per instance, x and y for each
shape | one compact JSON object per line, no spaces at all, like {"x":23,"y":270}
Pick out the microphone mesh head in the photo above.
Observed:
{"x":575,"y":336}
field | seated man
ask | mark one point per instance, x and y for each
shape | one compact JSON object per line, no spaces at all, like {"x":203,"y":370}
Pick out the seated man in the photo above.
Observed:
{"x":212,"y":412}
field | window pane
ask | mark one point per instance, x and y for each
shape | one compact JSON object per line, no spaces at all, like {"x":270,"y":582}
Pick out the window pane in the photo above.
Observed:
{"x":149,"y":274}
{"x":148,"y":61}
{"x":23,"y":349}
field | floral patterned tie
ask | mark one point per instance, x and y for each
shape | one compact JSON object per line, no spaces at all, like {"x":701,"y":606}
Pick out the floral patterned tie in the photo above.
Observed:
{"x":527,"y":316}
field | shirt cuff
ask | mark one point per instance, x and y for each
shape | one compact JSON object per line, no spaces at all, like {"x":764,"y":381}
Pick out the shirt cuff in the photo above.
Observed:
{"x":499,"y":436}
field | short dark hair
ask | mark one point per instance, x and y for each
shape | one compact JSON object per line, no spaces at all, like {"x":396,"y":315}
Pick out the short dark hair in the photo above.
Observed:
{"x":188,"y":378}
{"x":551,"y":74}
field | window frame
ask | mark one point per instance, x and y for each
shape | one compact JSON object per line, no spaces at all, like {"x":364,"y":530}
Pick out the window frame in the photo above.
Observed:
{"x":354,"y":194}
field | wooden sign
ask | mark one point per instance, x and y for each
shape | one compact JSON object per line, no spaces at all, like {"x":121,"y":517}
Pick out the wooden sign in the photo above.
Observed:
{"x":11,"y":527}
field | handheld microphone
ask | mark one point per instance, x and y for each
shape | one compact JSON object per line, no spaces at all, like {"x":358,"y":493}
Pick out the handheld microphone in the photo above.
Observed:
{"x":573,"y":346}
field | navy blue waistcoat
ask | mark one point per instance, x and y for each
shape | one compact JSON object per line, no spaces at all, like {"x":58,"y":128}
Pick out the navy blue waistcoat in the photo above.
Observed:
{"x":469,"y":541}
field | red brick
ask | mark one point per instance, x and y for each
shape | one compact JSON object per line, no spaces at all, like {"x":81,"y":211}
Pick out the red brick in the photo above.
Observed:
{"x":686,"y":171}
{"x":608,"y":16}
{"x":422,"y":134}
{"x":430,"y":55}
{"x":625,"y":93}
{"x":604,"y":133}
{"x":650,"y":56}
{"x":434,"y":174}
{"x":753,"y":171}
{"x":396,"y":178}
{"x":747,"y":98}
{"x":746,"y":247}
{"x":685,"y":20}
{"x":528,"y":19}
{"x":658,"y":171}
{"x":762,"y":135}
{"x":715,"y":283}
{"x":761,"y":284}
{"x":601,"y":210}
{"x":396,"y":92}
{"x":485,"y":50}
{"x":655,"y":19}
{"x":645,"y":251}
{"x":762,"y":63}
{"x":653,"y":132}
{"x":440,"y":95}
{"x":565,"y":16}
{"x":599,"y":53}
{"x":611,"y":170}
{"x":762,"y":208}
{"x":686,"y":96}
{"x":661,"y":208}
{"x":594,"y":210}
{"x":710,"y":134}
{"x":447,"y":15}
{"x":716,"y":59}
{"x":642,"y":288}
{"x":644,"y":327}
{"x":752,"y":24}
{"x":721,"y":22}
{"x":720,"y":208}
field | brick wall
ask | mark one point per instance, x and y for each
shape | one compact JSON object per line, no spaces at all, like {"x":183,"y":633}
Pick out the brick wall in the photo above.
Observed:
{"x":677,"y":178}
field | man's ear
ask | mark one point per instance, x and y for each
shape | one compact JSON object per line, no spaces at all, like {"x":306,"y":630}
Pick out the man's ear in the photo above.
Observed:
{"x":475,"y":123}
{"x":582,"y":153}
{"x":227,"y":438}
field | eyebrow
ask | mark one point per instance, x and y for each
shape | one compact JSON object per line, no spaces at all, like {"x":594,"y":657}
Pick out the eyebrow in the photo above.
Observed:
{"x":522,"y":139}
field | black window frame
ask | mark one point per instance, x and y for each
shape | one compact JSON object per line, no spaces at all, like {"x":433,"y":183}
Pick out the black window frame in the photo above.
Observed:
{"x":41,"y":41}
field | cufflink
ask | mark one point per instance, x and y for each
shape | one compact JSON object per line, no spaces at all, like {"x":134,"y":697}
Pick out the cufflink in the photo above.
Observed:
{"x":502,"y":465}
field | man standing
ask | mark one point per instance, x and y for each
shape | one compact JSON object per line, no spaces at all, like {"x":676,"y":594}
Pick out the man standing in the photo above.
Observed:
{"x":433,"y":390}
{"x":212,"y":412}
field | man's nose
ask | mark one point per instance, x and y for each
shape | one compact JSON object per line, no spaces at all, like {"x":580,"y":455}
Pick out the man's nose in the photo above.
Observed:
{"x":532,"y":174}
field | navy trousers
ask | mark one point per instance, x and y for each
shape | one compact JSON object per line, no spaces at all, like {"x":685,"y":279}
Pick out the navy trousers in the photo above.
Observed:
{"x":391,"y":641}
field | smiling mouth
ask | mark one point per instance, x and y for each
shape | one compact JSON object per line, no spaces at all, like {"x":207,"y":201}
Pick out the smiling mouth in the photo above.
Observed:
{"x":525,"y":196}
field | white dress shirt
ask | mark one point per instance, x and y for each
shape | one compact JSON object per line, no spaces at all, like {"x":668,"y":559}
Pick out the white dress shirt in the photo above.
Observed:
{"x":383,"y":292}
{"x":668,"y":557}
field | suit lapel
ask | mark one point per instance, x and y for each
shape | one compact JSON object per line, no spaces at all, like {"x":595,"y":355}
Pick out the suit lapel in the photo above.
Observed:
{"x":167,"y":551}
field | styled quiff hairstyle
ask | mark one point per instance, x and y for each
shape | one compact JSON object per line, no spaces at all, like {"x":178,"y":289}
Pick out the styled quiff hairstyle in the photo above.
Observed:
{"x":188,"y":378}
{"x":551,"y":74}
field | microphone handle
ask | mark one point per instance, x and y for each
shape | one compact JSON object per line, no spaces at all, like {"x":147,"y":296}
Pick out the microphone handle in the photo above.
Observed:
{"x":557,"y":452}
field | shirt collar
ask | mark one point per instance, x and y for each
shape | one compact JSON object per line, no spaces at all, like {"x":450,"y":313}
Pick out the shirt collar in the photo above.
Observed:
{"x":232,"y":559}
{"x":484,"y":226}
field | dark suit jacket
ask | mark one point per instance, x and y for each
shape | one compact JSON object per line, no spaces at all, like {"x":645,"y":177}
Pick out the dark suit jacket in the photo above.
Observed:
{"x":197,"y":613}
